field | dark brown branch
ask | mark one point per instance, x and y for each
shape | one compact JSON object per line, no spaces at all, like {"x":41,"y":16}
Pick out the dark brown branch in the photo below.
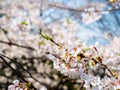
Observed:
{"x":5,"y":32}
{"x":66,"y":8}
{"x":41,"y":83}
{"x":16,"y":72}
{"x":15,"y":44}
{"x":80,"y":9}
{"x":56,"y":56}
{"x":56,"y":43}
{"x":103,"y":65}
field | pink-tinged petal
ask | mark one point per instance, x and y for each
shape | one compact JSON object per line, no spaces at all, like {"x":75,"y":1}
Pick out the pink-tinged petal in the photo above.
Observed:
{"x":11,"y":87}
{"x":118,"y":82}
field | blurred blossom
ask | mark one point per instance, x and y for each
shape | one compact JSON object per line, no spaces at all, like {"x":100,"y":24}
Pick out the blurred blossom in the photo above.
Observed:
{"x":16,"y":82}
{"x":11,"y":87}
{"x":43,"y":88}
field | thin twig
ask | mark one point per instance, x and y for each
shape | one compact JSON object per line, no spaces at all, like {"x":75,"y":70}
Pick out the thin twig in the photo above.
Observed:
{"x":41,"y":83}
{"x":55,"y":43}
{"x":46,"y":37}
{"x":103,"y":65}
{"x":5,"y":32}
{"x":16,"y":72}
{"x":15,"y":44}
{"x":81,"y":9}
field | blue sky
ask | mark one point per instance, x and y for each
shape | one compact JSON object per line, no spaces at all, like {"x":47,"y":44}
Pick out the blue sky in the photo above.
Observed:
{"x":88,"y":33}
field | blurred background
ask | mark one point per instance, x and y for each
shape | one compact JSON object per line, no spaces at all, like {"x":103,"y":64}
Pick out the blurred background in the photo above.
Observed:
{"x":84,"y":21}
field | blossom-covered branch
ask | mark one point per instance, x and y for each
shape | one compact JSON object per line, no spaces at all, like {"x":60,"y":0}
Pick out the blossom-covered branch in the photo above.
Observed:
{"x":85,"y":63}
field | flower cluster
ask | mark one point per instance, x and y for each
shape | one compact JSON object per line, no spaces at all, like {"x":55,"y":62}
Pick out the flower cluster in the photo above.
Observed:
{"x":86,"y":63}
{"x":17,"y":85}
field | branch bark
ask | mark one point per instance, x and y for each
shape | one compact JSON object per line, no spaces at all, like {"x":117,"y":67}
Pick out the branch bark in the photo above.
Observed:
{"x":15,"y":44}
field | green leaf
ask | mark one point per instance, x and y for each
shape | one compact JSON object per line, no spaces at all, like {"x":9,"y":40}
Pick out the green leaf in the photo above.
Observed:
{"x":79,"y":58}
{"x":44,"y":35}
{"x":24,"y":23}
{"x":86,"y":49}
{"x":93,"y":63}
{"x":68,"y":21}
{"x":28,"y":85}
{"x":98,"y":58}
{"x":41,"y":43}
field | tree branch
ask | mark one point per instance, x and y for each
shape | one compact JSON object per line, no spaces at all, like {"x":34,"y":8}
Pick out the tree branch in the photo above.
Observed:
{"x":80,"y":9}
{"x":15,"y":44}
{"x":41,"y":83}
{"x":16,"y":72}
